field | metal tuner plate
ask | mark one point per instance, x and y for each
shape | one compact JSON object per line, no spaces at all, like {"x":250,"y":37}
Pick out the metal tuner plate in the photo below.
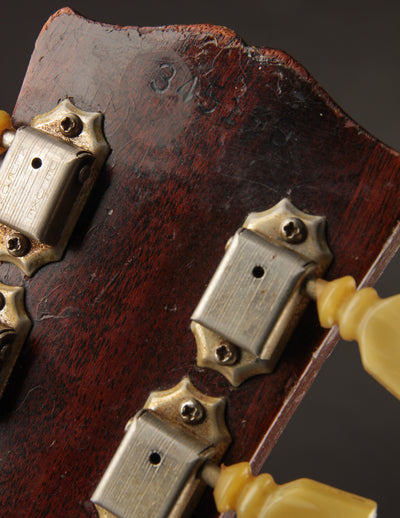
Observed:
{"x":154,"y":473}
{"x":45,"y":180}
{"x":14,"y":328}
{"x":256,"y":296}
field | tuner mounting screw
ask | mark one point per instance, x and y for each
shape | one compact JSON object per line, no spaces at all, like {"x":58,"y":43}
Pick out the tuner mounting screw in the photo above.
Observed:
{"x":226,"y":354}
{"x":192,"y":411}
{"x":71,"y":125}
{"x":18,"y":245}
{"x":293,"y":230}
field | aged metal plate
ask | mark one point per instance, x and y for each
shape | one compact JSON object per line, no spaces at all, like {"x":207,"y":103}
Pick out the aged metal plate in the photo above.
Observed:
{"x":250,"y":289}
{"x":40,"y":182}
{"x":150,"y":469}
{"x":14,"y":327}
{"x":154,"y":472}
{"x":47,"y":175}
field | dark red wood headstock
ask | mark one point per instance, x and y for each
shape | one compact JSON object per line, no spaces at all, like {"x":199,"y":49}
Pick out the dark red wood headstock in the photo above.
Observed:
{"x":203,"y":130}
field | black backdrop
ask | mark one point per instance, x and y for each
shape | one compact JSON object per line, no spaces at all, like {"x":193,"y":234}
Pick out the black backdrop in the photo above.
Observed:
{"x":346,"y":431}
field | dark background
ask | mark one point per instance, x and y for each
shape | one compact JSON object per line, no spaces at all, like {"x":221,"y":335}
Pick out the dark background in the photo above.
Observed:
{"x":346,"y":431}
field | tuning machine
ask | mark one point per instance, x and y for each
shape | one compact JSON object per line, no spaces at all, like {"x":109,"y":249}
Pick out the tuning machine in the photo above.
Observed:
{"x":257,"y":294}
{"x":172,"y":449}
{"x":154,"y":472}
{"x":45,"y":179}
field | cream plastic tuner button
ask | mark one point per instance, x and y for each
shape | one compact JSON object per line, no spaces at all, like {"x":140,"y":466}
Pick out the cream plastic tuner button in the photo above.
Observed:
{"x":363,"y":316}
{"x":236,"y":489}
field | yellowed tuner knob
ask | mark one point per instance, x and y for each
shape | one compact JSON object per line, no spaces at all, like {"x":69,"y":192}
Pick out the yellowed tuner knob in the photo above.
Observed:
{"x":363,"y":316}
{"x":5,"y":124}
{"x":238,"y":490}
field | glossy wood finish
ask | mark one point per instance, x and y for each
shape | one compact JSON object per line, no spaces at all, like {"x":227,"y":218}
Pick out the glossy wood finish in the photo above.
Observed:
{"x":203,"y":130}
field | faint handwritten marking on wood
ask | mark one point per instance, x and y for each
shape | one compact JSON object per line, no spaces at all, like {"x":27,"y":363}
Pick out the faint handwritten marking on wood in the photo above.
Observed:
{"x":165,"y":74}
{"x":188,"y":88}
{"x":208,"y":99}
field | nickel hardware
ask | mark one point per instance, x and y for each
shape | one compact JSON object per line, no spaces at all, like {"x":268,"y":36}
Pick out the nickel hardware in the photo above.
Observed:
{"x":45,"y":179}
{"x":154,"y":472}
{"x":257,"y":294}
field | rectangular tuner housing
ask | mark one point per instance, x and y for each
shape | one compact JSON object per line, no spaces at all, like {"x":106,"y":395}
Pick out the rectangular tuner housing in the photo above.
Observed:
{"x":155,"y":471}
{"x":258,"y":291}
{"x":248,"y":293}
{"x":40,"y":183}
{"x":46,"y":177}
{"x":155,"y":460}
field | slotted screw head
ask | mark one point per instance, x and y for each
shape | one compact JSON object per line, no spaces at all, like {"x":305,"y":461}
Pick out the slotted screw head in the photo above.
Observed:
{"x":226,"y":354}
{"x":293,"y":230}
{"x":71,"y":125}
{"x":18,"y":245}
{"x":192,"y":411}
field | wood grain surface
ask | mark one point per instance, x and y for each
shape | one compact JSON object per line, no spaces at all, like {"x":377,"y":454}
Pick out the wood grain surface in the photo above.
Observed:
{"x":203,"y":130}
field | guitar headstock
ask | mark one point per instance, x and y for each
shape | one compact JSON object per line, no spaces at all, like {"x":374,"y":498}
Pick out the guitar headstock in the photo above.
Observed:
{"x":131,"y":277}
